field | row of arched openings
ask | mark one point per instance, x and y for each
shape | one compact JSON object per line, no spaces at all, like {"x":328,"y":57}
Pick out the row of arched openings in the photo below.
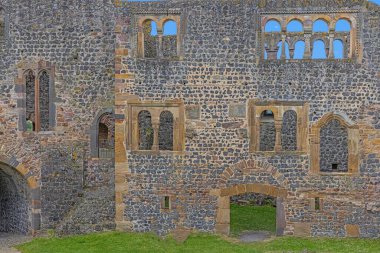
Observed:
{"x":318,"y":47}
{"x":37,"y":101}
{"x":151,"y":40}
{"x":288,"y":131}
{"x":319,"y":26}
{"x":165,"y":131}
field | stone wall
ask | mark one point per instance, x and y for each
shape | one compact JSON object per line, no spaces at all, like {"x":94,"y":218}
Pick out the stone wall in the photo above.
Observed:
{"x":221,"y":67}
{"x":334,"y":147}
{"x":289,"y":131}
{"x":14,"y":197}
{"x":78,"y":39}
{"x":267,"y":136}
{"x":94,"y":48}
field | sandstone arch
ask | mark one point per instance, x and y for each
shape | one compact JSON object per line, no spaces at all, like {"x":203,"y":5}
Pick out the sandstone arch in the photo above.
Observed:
{"x":226,"y":189}
{"x":12,"y":164}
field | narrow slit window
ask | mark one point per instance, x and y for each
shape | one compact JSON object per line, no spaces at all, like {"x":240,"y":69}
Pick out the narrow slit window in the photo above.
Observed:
{"x":146,"y":132}
{"x":166,"y":203}
{"x":30,"y":82}
{"x":165,"y":133}
{"x":317,"y":202}
{"x":150,"y":39}
{"x":267,"y":131}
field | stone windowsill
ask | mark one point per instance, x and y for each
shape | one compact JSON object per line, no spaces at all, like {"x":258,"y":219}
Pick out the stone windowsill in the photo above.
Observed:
{"x":272,"y":153}
{"x":337,"y":174}
{"x":159,"y":152}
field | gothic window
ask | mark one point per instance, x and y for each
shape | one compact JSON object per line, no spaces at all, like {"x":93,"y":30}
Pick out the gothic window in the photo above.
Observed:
{"x":333,"y":147}
{"x":106,"y":136}
{"x":338,"y":49}
{"x":320,"y":26}
{"x":294,"y":26}
{"x":44,"y":83}
{"x":150,"y":39}
{"x":267,"y":131}
{"x":289,"y":131}
{"x":319,"y":50}
{"x":165,"y":133}
{"x":30,"y":81}
{"x":169,"y":39}
{"x":273,"y":26}
{"x":146,"y":132}
{"x":299,"y":50}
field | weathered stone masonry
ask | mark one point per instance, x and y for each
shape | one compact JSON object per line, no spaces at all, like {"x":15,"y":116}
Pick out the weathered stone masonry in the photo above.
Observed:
{"x":90,"y":164}
{"x":225,"y":84}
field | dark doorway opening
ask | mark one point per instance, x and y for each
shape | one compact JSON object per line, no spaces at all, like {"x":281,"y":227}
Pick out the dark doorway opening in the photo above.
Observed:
{"x":14,"y":204}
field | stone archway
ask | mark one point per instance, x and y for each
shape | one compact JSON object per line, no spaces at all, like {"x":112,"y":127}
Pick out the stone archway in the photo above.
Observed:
{"x":226,"y":190}
{"x":20,"y":208}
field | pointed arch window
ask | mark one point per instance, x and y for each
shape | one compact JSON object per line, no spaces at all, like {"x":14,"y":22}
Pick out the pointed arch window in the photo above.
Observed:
{"x":39,"y":107}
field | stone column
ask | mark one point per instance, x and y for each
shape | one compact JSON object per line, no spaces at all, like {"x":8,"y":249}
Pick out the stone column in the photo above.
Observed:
{"x":159,"y":46}
{"x":156,"y":127}
{"x":307,"y":54}
{"x":278,"y":126}
{"x":283,"y":54}
{"x":331,"y":46}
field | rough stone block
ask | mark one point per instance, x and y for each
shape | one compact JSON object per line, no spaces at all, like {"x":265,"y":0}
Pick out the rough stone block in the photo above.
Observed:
{"x":193,"y":112}
{"x":237,"y":110}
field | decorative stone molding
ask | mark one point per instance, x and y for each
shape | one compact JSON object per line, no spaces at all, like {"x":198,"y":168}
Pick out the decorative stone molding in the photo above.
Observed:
{"x":20,"y":88}
{"x":249,"y":167}
{"x":269,"y":40}
{"x":353,"y":144}
{"x":278,"y":108}
{"x":155,"y":109}
{"x":160,"y":20}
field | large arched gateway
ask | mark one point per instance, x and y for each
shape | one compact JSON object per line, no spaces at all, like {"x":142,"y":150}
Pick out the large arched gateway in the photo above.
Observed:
{"x":15,"y":210}
{"x":19,"y":198}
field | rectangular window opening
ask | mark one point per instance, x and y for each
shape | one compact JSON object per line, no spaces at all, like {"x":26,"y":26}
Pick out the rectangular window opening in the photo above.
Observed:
{"x":166,"y":202}
{"x":317,"y":204}
{"x":334,"y":167}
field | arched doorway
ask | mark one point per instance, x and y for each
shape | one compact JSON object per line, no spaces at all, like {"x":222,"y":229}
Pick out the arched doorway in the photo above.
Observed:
{"x":249,"y":176}
{"x":15,"y":202}
{"x":223,"y":208}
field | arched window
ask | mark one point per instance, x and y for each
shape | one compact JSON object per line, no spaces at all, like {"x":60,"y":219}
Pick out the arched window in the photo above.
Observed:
{"x":319,"y":50}
{"x":320,"y":26}
{"x":334,"y":147}
{"x":273,"y":26}
{"x":170,"y":28}
{"x":289,"y":131}
{"x":294,"y":26}
{"x":44,"y":102}
{"x":165,"y":133}
{"x":299,"y":50}
{"x":342,"y":26}
{"x":267,"y":131}
{"x":106,"y":136}
{"x":150,"y":39}
{"x":279,"y":52}
{"x":30,"y":82}
{"x":146,"y":132}
{"x":169,"y":39}
{"x":338,"y":49}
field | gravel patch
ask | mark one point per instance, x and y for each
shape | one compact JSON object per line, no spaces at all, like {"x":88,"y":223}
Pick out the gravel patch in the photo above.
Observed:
{"x":7,"y":241}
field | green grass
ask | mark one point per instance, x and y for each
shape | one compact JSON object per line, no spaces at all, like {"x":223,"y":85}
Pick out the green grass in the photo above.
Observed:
{"x":254,"y":218}
{"x":116,"y":242}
